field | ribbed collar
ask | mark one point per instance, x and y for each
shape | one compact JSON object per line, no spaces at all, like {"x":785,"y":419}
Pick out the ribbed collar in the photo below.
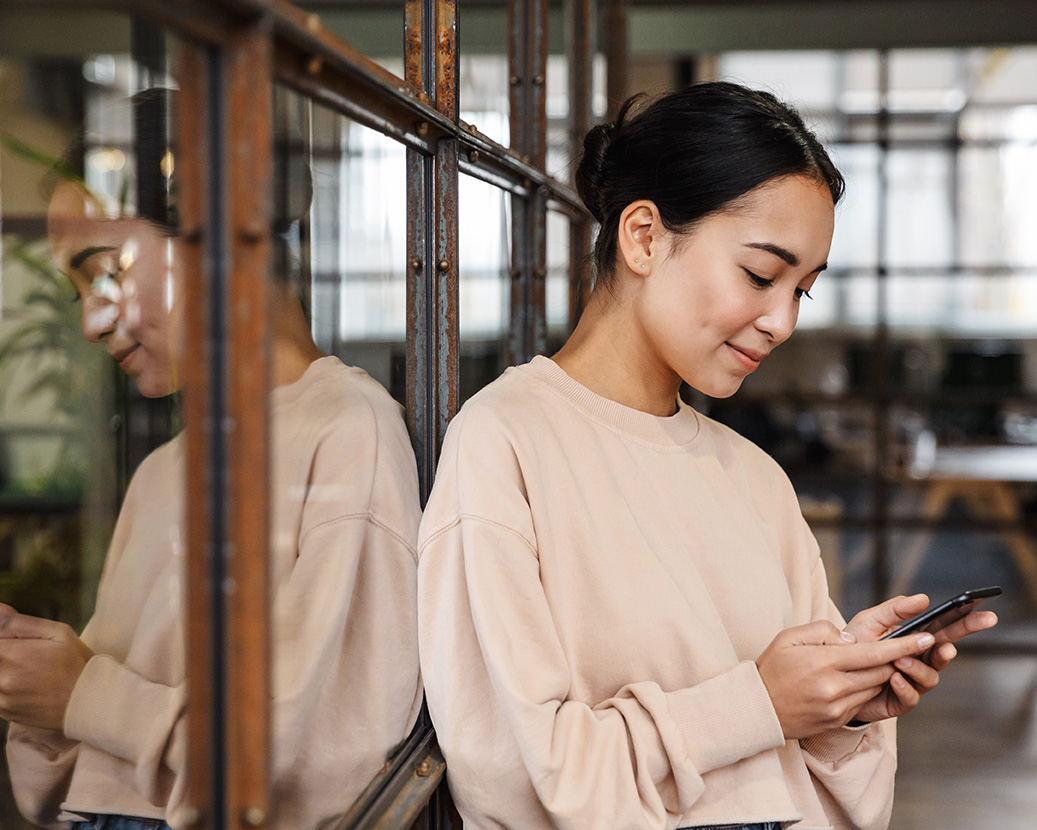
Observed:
{"x":678,"y":429}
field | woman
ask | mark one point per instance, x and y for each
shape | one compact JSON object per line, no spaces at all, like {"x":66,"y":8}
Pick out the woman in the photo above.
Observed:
{"x":97,"y":737}
{"x":623,"y":617}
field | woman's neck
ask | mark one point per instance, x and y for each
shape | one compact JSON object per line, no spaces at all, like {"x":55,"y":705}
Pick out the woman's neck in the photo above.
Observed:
{"x":609,"y":354}
{"x":292,"y":347}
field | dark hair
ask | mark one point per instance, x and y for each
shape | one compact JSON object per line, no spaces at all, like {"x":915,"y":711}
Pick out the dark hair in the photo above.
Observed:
{"x":693,"y":152}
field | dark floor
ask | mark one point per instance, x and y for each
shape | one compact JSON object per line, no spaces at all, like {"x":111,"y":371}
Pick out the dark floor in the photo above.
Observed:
{"x":968,"y":753}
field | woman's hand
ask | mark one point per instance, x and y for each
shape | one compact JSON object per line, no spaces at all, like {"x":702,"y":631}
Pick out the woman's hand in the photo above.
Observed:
{"x":818,"y":680}
{"x":40,"y":662}
{"x":917,"y":674}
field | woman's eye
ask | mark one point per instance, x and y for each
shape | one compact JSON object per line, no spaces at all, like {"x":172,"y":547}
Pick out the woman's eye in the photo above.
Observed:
{"x":758,"y":281}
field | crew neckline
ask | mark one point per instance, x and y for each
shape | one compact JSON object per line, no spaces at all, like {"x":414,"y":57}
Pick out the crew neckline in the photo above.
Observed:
{"x":681,"y":428}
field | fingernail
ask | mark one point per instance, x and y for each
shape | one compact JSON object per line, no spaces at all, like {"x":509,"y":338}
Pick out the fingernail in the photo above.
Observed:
{"x":848,"y":637}
{"x":897,"y":680}
{"x":904,"y":662}
{"x":926,"y":640}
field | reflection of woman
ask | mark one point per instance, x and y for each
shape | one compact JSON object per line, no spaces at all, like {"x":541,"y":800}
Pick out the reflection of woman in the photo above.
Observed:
{"x":99,"y":721}
{"x":624,"y":619}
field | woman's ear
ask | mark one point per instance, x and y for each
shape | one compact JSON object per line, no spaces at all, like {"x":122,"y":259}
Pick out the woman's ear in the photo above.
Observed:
{"x":640,"y":235}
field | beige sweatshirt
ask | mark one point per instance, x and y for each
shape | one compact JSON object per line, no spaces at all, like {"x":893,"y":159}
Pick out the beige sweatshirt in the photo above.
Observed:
{"x":345,"y":674}
{"x":594,"y":585}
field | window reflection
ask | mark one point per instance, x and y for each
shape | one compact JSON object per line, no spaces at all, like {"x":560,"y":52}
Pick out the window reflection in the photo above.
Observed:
{"x":484,"y":293}
{"x":343,"y":483}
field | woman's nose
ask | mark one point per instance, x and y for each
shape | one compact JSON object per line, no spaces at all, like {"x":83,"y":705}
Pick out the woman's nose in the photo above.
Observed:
{"x":100,"y":317}
{"x":779,"y":319}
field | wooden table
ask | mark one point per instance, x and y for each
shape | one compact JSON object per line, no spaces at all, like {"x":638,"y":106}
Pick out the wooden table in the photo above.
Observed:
{"x":987,"y":479}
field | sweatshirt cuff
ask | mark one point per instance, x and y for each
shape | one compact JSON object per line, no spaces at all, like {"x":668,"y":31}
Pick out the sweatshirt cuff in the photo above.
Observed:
{"x":726,"y":718}
{"x":116,"y":710}
{"x":833,"y":746}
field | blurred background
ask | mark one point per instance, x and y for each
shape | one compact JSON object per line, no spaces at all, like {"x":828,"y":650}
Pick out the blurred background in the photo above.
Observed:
{"x":904,"y":408}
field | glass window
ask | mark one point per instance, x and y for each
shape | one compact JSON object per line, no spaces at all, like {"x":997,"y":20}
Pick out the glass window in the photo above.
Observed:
{"x":484,"y":293}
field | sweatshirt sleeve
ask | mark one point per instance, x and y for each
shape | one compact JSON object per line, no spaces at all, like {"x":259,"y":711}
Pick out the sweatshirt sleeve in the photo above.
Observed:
{"x":41,"y":763}
{"x":852,"y":768}
{"x":499,"y":685}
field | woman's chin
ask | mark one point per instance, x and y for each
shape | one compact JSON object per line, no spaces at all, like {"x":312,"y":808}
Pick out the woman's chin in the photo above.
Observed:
{"x":155,"y":387}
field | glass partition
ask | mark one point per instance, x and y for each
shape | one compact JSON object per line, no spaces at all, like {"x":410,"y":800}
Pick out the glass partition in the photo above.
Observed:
{"x":484,"y":293}
{"x":91,"y":483}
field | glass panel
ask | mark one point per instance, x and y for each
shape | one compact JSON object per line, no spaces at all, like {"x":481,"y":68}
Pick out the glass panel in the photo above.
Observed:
{"x":88,"y":209}
{"x":997,"y":210}
{"x":375,"y":29}
{"x":560,"y":163}
{"x":483,"y":69}
{"x":484,"y":294}
{"x":557,"y":277}
{"x":926,"y":80}
{"x":344,"y":491}
{"x":919,"y":215}
{"x":356,"y":230}
{"x":855,"y":243}
{"x":805,"y":79}
{"x":1002,"y":76}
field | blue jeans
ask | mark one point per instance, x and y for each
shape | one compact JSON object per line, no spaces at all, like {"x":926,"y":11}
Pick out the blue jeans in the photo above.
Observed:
{"x":120,"y":823}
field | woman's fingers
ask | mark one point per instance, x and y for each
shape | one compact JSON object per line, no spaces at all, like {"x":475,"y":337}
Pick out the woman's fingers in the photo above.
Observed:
{"x":866,"y":655}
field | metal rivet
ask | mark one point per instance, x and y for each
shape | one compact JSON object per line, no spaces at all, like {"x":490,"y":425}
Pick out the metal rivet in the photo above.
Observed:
{"x":254,"y":816}
{"x":539,"y":80}
{"x":315,"y":65}
{"x":472,"y":128}
{"x":313,"y":22}
{"x":424,"y":769}
{"x":415,"y":264}
{"x":444,"y":265}
{"x":421,"y":128}
{"x":473,"y":156}
{"x":539,"y":273}
{"x":515,"y":80}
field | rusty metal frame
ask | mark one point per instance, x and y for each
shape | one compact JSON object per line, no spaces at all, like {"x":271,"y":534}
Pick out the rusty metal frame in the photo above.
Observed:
{"x":527,"y":72}
{"x":579,"y":16}
{"x":232,"y":51}
{"x":225,"y":160}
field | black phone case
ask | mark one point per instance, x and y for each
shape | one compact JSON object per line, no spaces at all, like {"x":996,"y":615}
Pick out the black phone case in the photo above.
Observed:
{"x":942,"y":615}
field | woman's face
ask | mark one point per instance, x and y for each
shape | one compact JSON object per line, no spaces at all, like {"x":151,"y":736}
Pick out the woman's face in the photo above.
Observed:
{"x":720,"y":298}
{"x":125,"y":274}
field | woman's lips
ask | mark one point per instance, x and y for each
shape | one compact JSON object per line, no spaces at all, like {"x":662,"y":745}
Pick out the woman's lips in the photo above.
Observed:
{"x":125,"y":357}
{"x":749,"y":359}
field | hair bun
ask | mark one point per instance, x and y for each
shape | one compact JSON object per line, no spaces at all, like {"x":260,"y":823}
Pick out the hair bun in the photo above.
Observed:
{"x":590,"y":175}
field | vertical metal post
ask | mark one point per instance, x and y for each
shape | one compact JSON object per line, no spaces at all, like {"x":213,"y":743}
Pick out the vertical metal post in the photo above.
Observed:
{"x":225,"y":165}
{"x":881,"y":350}
{"x":615,"y":37}
{"x":579,"y":15}
{"x":527,"y":70}
{"x":248,"y":107}
{"x":204,"y":740}
{"x":433,"y":365}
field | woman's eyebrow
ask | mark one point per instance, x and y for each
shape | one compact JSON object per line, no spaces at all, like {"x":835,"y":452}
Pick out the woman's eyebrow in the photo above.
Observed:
{"x":85,"y":254}
{"x":784,"y":254}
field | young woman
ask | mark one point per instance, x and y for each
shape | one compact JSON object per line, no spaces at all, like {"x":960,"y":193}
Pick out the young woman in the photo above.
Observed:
{"x":97,"y":734}
{"x":624,"y":621}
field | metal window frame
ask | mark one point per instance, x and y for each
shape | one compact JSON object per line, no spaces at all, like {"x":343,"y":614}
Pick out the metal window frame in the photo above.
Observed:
{"x":231,"y":54}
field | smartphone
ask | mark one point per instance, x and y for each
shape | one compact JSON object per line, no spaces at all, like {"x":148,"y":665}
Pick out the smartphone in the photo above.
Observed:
{"x":942,"y":615}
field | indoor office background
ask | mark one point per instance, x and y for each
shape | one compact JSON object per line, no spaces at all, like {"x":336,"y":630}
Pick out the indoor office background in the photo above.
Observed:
{"x":904,"y":408}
